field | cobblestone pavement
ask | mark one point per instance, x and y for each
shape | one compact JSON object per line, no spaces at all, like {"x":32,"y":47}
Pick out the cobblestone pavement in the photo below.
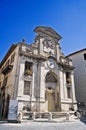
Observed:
{"x":78,"y":125}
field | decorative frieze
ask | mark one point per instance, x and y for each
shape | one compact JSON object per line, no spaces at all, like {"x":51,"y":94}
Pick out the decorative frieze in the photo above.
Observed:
{"x":49,"y":46}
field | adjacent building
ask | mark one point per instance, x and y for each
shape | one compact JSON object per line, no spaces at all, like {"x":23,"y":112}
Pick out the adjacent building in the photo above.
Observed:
{"x":79,"y":62}
{"x":37,"y":75}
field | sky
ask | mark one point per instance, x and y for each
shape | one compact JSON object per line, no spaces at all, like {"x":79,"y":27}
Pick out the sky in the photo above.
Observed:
{"x":18,"y":18}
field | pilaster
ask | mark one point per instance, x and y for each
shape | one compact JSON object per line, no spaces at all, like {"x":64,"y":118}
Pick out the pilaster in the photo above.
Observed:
{"x":65,"y":87}
{"x":34,"y":81}
{"x":61,"y":84}
{"x":73,"y":88}
{"x":21,"y":79}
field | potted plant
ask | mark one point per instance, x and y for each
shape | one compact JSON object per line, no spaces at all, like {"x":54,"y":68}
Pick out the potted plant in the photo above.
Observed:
{"x":68,"y":80}
{"x":28,"y":72}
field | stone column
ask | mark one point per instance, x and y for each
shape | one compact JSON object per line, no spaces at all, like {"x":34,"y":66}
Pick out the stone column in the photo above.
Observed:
{"x":32,"y":85}
{"x":41,"y":85}
{"x":38,"y":92}
{"x":41,"y":46}
{"x":57,"y":96}
{"x":73,"y":91}
{"x":61,"y":84}
{"x":57,"y":51}
{"x":42,"y":82}
{"x":21,"y":79}
{"x":65,"y":86}
{"x":34,"y":81}
{"x":61,"y":92}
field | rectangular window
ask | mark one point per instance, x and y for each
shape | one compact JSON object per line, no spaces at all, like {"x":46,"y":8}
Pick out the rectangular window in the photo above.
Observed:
{"x":85,"y":56}
{"x":28,"y":65}
{"x":68,"y":92}
{"x":26,"y":87}
{"x":68,"y":77}
{"x":28,"y":68}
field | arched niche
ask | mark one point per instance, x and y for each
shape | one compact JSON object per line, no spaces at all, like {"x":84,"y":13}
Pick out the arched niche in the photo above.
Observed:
{"x":51,"y":91}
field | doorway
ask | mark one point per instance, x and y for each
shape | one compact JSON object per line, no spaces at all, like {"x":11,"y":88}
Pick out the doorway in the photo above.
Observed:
{"x":51,"y":96}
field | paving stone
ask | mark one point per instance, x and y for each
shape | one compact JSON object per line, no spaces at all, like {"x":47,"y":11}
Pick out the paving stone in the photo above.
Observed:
{"x":43,"y":126}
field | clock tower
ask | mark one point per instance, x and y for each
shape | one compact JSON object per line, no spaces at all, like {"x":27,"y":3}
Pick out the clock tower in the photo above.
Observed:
{"x":47,"y":40}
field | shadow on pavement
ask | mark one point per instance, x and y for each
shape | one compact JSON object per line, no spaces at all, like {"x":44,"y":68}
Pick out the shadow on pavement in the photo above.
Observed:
{"x":83,"y":119}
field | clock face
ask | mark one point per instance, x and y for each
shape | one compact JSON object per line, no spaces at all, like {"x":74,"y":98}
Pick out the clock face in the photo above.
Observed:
{"x":51,"y":63}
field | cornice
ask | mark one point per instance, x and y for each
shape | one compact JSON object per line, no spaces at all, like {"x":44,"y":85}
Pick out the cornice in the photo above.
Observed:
{"x":48,"y":31}
{"x":66,"y":66}
{"x":40,"y":57}
{"x":11,"y":49}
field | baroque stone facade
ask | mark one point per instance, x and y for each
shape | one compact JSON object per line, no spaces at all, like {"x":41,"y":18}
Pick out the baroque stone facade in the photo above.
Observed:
{"x":38,"y":75}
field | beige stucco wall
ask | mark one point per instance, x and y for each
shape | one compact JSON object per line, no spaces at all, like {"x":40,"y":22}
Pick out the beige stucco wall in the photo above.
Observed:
{"x":80,"y":76}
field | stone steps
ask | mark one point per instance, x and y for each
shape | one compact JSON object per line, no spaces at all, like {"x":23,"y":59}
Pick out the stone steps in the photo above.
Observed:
{"x":27,"y":115}
{"x":44,"y":115}
{"x":59,"y":114}
{"x":41,"y":115}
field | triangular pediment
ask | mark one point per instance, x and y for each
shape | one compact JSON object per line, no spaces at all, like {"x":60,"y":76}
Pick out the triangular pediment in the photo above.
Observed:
{"x":47,"y":30}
